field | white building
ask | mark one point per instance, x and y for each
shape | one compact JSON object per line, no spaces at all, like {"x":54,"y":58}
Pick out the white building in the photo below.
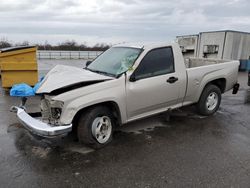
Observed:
{"x":227,"y":44}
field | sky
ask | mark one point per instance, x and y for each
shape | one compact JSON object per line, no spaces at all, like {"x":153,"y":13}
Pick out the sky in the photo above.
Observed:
{"x":117,"y":21}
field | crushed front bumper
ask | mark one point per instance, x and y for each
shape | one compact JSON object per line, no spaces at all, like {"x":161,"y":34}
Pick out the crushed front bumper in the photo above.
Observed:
{"x":38,"y":127}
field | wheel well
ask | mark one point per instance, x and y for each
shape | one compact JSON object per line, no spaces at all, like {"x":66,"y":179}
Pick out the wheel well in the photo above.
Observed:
{"x":220,"y":83}
{"x":113,"y":106}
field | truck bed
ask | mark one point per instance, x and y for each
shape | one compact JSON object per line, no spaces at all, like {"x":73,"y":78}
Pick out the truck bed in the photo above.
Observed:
{"x":198,"y":62}
{"x":201,"y":71}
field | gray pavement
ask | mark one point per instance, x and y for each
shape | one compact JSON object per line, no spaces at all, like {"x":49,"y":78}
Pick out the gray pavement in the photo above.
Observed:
{"x":187,"y":151}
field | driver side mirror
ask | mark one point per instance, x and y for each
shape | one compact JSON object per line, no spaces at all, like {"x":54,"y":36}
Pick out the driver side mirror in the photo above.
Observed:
{"x":88,"y":63}
{"x":132,"y":78}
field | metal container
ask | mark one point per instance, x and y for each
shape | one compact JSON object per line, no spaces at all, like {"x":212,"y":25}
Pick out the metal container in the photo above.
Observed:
{"x":243,"y":65}
{"x":18,"y":65}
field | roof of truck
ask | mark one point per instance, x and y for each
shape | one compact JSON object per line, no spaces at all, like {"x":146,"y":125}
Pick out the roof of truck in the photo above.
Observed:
{"x":145,"y":45}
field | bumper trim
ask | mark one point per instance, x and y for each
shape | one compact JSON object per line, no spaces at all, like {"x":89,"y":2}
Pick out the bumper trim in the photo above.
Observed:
{"x":38,"y":127}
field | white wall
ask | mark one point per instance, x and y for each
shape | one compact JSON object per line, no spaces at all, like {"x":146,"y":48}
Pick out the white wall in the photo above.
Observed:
{"x":213,"y":38}
{"x":237,"y":46}
{"x":189,"y":43}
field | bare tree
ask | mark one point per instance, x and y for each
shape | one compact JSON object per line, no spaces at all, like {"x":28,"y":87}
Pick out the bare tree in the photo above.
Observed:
{"x":4,"y":43}
{"x":68,"y":45}
{"x":24,"y":43}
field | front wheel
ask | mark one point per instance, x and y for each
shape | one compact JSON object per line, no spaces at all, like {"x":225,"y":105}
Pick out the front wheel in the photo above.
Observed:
{"x":95,"y":127}
{"x":209,"y":100}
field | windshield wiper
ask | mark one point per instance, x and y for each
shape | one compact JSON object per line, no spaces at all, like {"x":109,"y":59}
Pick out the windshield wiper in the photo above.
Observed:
{"x":101,"y":72}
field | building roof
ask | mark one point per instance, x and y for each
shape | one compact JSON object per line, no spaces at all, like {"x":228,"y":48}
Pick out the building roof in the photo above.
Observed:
{"x":195,"y":35}
{"x":232,"y":31}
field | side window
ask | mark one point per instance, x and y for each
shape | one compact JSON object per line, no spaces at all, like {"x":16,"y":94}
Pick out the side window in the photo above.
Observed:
{"x":156,"y":62}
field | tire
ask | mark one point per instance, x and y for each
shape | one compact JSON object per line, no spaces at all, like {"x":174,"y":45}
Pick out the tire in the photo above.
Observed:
{"x":95,"y":127}
{"x":209,"y":101}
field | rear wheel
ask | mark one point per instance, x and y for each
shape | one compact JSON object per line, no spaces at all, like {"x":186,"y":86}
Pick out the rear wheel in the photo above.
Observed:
{"x":95,"y":127}
{"x":209,"y":100}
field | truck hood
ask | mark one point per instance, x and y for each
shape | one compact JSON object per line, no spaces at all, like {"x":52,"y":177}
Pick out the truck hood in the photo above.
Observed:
{"x":62,"y":76}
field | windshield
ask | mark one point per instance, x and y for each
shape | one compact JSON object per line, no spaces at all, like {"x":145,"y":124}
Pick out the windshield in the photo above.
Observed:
{"x":115,"y":61}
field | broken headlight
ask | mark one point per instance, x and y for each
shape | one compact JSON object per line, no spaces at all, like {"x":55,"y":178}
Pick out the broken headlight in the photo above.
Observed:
{"x":56,"y":109}
{"x":56,"y":113}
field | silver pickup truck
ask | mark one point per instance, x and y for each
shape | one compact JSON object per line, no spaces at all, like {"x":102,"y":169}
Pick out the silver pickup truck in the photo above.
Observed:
{"x":127,"y":83}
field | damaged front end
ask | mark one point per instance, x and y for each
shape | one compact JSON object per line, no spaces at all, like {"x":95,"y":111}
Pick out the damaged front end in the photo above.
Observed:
{"x":61,"y":79}
{"x":45,"y":123}
{"x":51,"y":110}
{"x":39,"y":127}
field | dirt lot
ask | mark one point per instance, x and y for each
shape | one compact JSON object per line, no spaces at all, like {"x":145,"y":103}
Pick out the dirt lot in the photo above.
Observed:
{"x":187,"y":151}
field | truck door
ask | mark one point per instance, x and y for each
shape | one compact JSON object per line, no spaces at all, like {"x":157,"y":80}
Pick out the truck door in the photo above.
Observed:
{"x":154,"y":85}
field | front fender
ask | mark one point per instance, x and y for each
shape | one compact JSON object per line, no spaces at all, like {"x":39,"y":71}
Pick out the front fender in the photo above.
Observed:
{"x":73,"y":107}
{"x":77,"y":102}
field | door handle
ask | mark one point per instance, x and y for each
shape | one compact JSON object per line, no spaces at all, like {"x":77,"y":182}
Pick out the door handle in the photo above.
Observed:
{"x":172,"y":80}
